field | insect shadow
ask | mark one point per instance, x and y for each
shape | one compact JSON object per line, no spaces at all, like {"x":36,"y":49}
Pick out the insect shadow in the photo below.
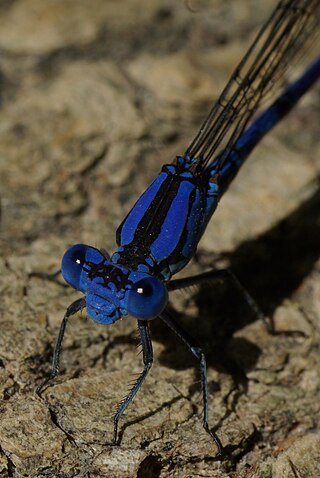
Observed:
{"x":271,"y":267}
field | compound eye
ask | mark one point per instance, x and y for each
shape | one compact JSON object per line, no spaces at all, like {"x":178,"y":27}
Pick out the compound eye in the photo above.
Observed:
{"x":72,"y":264}
{"x":147,"y":298}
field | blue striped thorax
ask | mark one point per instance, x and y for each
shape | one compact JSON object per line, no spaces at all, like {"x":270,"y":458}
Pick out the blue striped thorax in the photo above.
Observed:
{"x":165,"y":225}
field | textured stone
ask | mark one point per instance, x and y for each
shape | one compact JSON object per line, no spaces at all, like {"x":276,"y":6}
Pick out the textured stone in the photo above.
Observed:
{"x":95,"y":97}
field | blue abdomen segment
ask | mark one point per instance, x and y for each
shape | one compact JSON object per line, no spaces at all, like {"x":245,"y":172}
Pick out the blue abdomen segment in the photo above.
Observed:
{"x":275,"y":113}
{"x":262,"y":125}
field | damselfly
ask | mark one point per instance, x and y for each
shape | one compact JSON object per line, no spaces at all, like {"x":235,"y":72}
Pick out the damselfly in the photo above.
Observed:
{"x":160,"y":234}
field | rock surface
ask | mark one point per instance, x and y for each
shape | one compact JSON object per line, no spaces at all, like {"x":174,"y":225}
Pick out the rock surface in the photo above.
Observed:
{"x":95,"y":97}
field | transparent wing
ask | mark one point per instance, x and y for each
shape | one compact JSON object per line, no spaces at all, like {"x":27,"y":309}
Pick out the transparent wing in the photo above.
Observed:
{"x":292,"y":24}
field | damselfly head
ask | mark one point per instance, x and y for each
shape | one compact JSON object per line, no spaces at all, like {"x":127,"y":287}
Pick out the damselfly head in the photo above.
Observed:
{"x":112,"y":291}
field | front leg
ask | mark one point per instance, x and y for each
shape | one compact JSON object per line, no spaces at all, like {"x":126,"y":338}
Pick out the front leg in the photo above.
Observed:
{"x":198,"y":353}
{"x":147,"y":361}
{"x":71,"y":310}
{"x":50,"y":276}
